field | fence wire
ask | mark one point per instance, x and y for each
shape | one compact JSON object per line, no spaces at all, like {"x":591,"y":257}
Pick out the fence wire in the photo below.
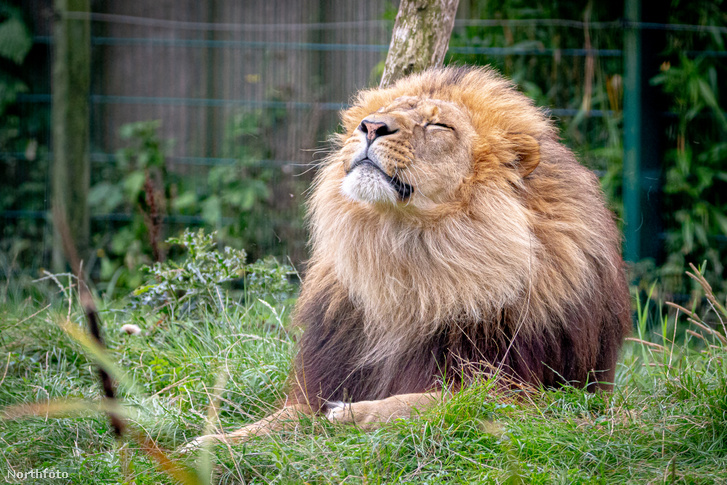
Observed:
{"x":252,"y":85}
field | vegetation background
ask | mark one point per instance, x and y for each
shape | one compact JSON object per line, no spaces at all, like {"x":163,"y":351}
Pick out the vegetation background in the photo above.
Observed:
{"x":210,"y":114}
{"x":220,"y":111}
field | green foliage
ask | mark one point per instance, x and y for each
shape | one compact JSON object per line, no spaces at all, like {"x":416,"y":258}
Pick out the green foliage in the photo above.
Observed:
{"x":15,"y":37}
{"x":234,"y":201}
{"x":23,"y":156}
{"x":696,"y":178}
{"x":195,"y":287}
{"x":138,"y":185}
{"x":15,"y":43}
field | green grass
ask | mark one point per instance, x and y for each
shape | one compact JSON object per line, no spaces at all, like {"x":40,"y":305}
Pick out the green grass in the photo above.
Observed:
{"x":666,"y":421}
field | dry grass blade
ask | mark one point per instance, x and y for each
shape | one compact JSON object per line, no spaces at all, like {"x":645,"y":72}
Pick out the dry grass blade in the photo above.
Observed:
{"x":695,"y":334}
{"x":69,"y":248}
{"x":719,"y":309}
{"x":644,"y":342}
{"x":697,"y":276}
{"x":172,"y":468}
{"x":60,"y":407}
{"x":709,"y":330}
{"x":681,"y":309}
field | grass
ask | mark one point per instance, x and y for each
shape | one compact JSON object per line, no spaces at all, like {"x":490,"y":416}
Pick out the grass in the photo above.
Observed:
{"x":666,"y":421}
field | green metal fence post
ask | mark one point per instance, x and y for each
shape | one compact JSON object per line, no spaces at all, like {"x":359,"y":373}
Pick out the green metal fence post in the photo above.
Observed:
{"x":70,"y":118}
{"x":632,"y":133}
{"x":642,"y":133}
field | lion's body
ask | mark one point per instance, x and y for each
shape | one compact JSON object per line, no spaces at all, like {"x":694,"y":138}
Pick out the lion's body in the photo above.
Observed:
{"x":452,"y":233}
{"x":520,"y":273}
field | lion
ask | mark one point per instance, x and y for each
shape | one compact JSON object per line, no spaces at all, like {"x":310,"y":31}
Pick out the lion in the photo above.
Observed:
{"x":452,"y":234}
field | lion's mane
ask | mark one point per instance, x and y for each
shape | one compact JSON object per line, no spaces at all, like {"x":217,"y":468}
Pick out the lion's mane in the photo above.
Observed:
{"x":520,"y":271}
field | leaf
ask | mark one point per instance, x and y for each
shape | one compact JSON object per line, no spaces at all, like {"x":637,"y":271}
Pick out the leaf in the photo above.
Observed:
{"x":211,"y":210}
{"x":711,"y":100}
{"x":185,"y":200}
{"x":248,"y":199}
{"x":687,"y":235}
{"x":133,"y":184}
{"x":143,"y":289}
{"x":15,"y":38}
{"x":105,"y":197}
{"x":9,"y":90}
{"x":721,"y":220}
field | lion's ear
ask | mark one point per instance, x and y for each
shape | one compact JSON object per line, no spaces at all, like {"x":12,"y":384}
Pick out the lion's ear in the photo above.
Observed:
{"x":527,"y":149}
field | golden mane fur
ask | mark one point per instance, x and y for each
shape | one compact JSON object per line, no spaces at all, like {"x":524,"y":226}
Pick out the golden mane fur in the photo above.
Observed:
{"x":533,"y":245}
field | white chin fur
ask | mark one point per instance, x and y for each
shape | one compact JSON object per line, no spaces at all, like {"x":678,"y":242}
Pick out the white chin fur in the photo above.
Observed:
{"x":366,"y":184}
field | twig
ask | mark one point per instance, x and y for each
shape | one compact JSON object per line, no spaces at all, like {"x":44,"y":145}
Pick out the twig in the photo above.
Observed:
{"x":7,"y":364}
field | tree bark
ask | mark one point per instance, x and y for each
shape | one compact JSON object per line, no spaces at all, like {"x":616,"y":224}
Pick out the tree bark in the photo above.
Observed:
{"x":420,"y":38}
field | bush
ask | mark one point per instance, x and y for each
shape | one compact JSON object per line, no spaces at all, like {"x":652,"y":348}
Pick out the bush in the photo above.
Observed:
{"x":194,"y":287}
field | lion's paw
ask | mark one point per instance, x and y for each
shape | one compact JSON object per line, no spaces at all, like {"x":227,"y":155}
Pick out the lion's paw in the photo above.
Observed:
{"x":197,"y":443}
{"x":362,"y":413}
{"x":339,"y":411}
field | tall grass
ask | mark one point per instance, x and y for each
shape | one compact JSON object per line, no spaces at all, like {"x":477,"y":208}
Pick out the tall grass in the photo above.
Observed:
{"x":665,"y":422}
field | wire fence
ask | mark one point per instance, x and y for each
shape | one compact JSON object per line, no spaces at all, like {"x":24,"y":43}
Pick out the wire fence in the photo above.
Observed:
{"x":256,"y":86}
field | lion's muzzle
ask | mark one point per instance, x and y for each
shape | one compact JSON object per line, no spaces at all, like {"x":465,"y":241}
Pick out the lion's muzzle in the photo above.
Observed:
{"x":366,"y":181}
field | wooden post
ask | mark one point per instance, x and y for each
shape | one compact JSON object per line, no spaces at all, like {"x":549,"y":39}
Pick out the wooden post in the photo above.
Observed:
{"x":420,"y":38}
{"x":212,"y":113}
{"x":70,"y":117}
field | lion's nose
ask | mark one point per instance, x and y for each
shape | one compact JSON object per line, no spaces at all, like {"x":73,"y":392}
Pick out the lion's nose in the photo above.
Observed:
{"x":375,"y":128}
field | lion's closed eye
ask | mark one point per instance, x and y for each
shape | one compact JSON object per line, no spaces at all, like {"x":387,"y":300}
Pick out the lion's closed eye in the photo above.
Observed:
{"x":438,"y":127}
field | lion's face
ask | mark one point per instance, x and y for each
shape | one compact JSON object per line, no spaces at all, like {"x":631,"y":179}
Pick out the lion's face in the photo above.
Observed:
{"x":415,"y":151}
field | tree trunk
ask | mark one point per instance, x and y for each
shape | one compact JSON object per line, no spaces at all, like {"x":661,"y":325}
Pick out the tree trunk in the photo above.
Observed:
{"x":420,"y":38}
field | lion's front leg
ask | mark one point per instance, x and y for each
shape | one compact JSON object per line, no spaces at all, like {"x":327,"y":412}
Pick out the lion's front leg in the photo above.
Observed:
{"x":371,"y":414}
{"x":286,"y":418}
